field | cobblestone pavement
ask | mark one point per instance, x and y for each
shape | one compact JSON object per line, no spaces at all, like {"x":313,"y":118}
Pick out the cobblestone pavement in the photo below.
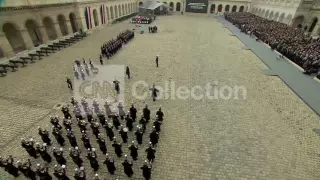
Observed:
{"x":267,"y":136}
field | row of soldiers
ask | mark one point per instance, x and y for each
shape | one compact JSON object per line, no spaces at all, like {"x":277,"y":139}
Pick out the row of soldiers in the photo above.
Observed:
{"x":74,"y":153}
{"x":114,"y":45}
{"x":81,"y":70}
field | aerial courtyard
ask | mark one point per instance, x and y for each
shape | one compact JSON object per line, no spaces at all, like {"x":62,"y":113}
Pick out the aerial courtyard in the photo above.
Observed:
{"x":266,"y":134}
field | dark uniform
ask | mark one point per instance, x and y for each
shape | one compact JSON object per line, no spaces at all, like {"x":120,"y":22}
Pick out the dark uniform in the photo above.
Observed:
{"x":150,"y":153}
{"x":146,"y":113}
{"x":66,"y":113}
{"x":79,"y":174}
{"x":109,"y":131}
{"x":67,"y":123}
{"x":86,"y":141}
{"x":92,"y":156}
{"x":43,"y":172}
{"x":157,"y":61}
{"x":124,"y":134}
{"x":58,"y":154}
{"x":95,"y":128}
{"x":143,"y":123}
{"x":128,"y":72}
{"x":75,"y":155}
{"x":10,"y":166}
{"x":129,"y":122}
{"x":146,"y":171}
{"x":42,"y":150}
{"x":127,"y":167}
{"x":133,"y":113}
{"x":44,"y":136}
{"x":102,"y":144}
{"x":57,"y":134}
{"x":110,"y":164}
{"x":26,"y":170}
{"x":139,"y":135}
{"x":116,"y":122}
{"x":69,"y":83}
{"x":117,"y":86}
{"x":72,"y":138}
{"x":28,"y":146}
{"x":154,"y":137}
{"x":160,"y":114}
{"x":117,"y":148}
{"x":157,"y":125}
{"x":133,"y":151}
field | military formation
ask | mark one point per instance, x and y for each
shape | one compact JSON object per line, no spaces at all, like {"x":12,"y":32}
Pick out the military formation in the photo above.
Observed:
{"x":111,"y":47}
{"x":101,"y":122}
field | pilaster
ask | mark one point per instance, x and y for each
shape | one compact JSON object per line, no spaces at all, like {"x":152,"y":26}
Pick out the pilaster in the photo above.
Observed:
{"x":57,"y":28}
{"x":27,"y":39}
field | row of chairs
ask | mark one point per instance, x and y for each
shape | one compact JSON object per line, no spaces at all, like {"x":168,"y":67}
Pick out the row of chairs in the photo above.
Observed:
{"x":37,"y":53}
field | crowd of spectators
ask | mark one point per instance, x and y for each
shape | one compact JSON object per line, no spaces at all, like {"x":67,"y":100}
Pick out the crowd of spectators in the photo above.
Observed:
{"x":293,"y":43}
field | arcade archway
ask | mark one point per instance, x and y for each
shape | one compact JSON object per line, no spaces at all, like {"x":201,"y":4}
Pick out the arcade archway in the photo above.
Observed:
{"x":220,"y":8}
{"x":226,"y":9}
{"x":212,"y":8}
{"x":34,"y":32}
{"x":62,"y":24}
{"x":314,"y":23}
{"x":14,"y":37}
{"x":171,"y":4}
{"x":297,"y":21}
{"x":281,"y":18}
{"x":241,"y":8}
{"x":178,"y":6}
{"x":234,"y":8}
{"x":50,"y":29}
{"x":73,"y":22}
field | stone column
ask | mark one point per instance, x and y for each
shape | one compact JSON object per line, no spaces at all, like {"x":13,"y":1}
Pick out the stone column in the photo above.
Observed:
{"x":208,"y":8}
{"x":5,"y":46}
{"x":44,"y":34}
{"x":58,"y":31}
{"x":70,"y":30}
{"x":27,"y":39}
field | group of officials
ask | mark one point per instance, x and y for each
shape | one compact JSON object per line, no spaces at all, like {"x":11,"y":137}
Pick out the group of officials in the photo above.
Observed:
{"x":97,"y":119}
{"x":111,"y":47}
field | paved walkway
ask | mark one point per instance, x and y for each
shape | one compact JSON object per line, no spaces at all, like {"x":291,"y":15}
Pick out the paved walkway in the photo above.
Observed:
{"x":303,"y":85}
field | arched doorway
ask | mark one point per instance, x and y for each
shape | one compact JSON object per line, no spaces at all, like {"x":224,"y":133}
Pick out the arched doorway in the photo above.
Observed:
{"x":282,"y":17}
{"x":111,"y":12}
{"x":120,"y":12}
{"x":226,"y":9}
{"x":297,"y":21}
{"x":178,"y":6}
{"x":116,"y":11}
{"x":140,"y":3}
{"x":314,"y":23}
{"x":62,"y":24}
{"x":271,"y":15}
{"x":171,"y":4}
{"x":50,"y":29}
{"x":220,"y":8}
{"x":73,"y":22}
{"x":95,"y":17}
{"x":34,"y":32}
{"x":267,"y":14}
{"x":123,"y":12}
{"x":275,"y":17}
{"x":234,"y":8}
{"x":14,"y":37}
{"x":212,"y":8}
{"x":241,"y":9}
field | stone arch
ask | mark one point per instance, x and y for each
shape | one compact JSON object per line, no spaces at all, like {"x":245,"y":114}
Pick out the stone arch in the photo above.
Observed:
{"x":288,"y":19}
{"x":226,"y":9}
{"x":271,"y":15}
{"x":123,"y":12}
{"x":171,"y":4}
{"x":212,"y":8}
{"x":50,"y":29}
{"x":34,"y":32}
{"x":108,"y":15}
{"x":234,"y":8}
{"x":241,"y":8}
{"x":313,"y":24}
{"x":140,"y":3}
{"x":95,"y":17}
{"x":14,"y":37}
{"x":111,"y":12}
{"x":120,"y":12}
{"x":281,"y":18}
{"x":178,"y":6}
{"x":62,"y":24}
{"x":267,"y":14}
{"x":297,"y":21}
{"x":220,"y":8}
{"x":116,"y":11}
{"x":275,"y":17}
{"x":73,"y":22}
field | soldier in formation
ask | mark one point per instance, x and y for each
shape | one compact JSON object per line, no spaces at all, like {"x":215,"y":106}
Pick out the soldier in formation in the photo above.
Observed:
{"x":26,"y":169}
{"x":110,"y":164}
{"x":127,"y":166}
{"x":75,"y":155}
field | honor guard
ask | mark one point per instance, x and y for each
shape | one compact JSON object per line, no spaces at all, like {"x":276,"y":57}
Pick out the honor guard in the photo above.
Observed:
{"x":146,"y":170}
{"x":82,"y":125}
{"x":73,"y":101}
{"x":44,"y":135}
{"x":117,"y":148}
{"x":11,"y":168}
{"x":102,"y":144}
{"x":109,"y":131}
{"x":160,"y":114}
{"x":143,"y":123}
{"x":133,"y":112}
{"x":77,"y":112}
{"x":133,"y":151}
{"x":108,"y":109}
{"x":154,"y":137}
{"x":102,"y":118}
{"x":124,"y":134}
{"x":69,"y":82}
{"x":86,"y":141}
{"x":26,"y":169}
{"x":157,"y":124}
{"x":139,"y":134}
{"x":42,"y":150}
{"x":43,"y":172}
{"x":55,"y":122}
{"x":146,"y":113}
{"x":79,"y":174}
{"x":116,"y":86}
{"x":89,"y":115}
{"x":154,"y":92}
{"x":58,"y":154}
{"x":127,"y":166}
{"x":157,"y":60}
{"x":58,"y":135}
{"x":95,"y":128}
{"x":129,"y":121}
{"x":92,"y":156}
{"x":28,"y":146}
{"x":60,"y":172}
{"x":110,"y":164}
{"x":72,"y":138}
{"x":75,"y":155}
{"x":67,"y":123}
{"x":150,"y":153}
{"x":115,"y":121}
{"x":121,"y":111}
{"x":128,"y":72}
{"x":66,"y":113}
{"x":84,"y":103}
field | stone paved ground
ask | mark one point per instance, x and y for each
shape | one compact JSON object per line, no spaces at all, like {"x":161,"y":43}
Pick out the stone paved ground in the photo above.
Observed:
{"x":267,"y":136}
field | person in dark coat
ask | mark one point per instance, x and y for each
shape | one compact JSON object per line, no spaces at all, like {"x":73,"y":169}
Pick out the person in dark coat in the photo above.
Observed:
{"x":67,"y":123}
{"x":57,"y":134}
{"x":139,"y":135}
{"x":110,"y":164}
{"x":157,"y":60}
{"x":69,"y":82}
{"x":157,"y":125}
{"x":43,"y":172}
{"x":86,"y":140}
{"x":101,"y":60}
{"x":44,"y":135}
{"x":133,"y":151}
{"x":154,"y":137}
{"x":128,"y":72}
{"x":72,"y":138}
{"x":26,"y":169}
{"x":102,"y":144}
{"x":150,"y":153}
{"x":95,"y":128}
{"x":127,"y":167}
{"x":116,"y":122}
{"x":124,"y":134}
{"x":160,"y":114}
{"x":143,"y":123}
{"x":109,"y":131}
{"x":146,"y":170}
{"x":66,"y":113}
{"x":58,"y":154}
{"x":117,"y":86}
{"x":92,"y":156}
{"x":79,"y":174}
{"x":28,"y":146}
{"x":146,"y":113}
{"x":11,"y":167}
{"x":154,"y":92}
{"x":117,"y":148}
{"x":75,"y":155}
{"x":42,"y":150}
{"x":129,"y":121}
{"x":60,"y":172}
{"x":133,"y":112}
